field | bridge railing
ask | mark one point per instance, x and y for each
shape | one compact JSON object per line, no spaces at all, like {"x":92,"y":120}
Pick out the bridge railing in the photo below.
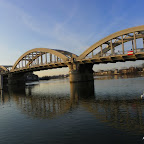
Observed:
{"x":138,"y":50}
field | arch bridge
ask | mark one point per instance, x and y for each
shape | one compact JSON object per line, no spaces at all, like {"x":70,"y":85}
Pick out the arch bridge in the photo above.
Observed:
{"x":116,"y":46}
{"x":42,"y":58}
{"x":125,"y":45}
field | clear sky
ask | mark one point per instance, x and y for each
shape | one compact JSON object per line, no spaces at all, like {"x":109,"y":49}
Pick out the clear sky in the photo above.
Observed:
{"x":63,"y":24}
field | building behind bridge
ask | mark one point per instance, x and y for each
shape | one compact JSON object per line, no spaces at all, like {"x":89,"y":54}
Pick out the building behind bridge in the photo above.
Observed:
{"x":131,"y":70}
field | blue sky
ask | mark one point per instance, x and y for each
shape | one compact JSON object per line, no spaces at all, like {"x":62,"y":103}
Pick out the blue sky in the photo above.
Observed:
{"x":63,"y":24}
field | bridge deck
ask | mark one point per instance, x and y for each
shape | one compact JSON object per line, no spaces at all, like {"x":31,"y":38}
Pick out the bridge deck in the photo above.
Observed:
{"x":113,"y":58}
{"x":94,"y":60}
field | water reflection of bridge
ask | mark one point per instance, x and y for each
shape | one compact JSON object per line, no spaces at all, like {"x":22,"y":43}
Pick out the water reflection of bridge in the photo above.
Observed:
{"x":122,"y":114}
{"x":126,"y":115}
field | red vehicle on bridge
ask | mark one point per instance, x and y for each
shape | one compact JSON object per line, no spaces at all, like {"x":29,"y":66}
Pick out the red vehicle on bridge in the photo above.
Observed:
{"x":130,"y":52}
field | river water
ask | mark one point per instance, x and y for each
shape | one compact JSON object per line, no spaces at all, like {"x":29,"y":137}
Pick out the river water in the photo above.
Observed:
{"x":109,"y":110}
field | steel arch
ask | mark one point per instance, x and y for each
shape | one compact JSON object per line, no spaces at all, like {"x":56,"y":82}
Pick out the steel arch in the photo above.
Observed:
{"x":105,"y":40}
{"x":3,"y":68}
{"x":64,"y":55}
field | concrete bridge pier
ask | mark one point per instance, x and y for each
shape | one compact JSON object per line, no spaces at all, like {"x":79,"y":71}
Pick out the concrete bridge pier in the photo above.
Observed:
{"x":80,"y":72}
{"x":16,"y":79}
{"x":1,"y":82}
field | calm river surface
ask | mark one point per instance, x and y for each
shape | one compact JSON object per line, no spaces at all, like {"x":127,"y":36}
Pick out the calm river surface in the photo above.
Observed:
{"x":55,"y":111}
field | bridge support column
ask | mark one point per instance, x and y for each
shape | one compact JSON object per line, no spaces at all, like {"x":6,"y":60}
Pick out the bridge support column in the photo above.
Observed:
{"x":1,"y":82}
{"x":80,"y":72}
{"x":16,"y":79}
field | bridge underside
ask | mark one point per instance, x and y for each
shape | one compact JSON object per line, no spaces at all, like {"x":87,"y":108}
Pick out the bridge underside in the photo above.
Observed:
{"x":40,"y":67}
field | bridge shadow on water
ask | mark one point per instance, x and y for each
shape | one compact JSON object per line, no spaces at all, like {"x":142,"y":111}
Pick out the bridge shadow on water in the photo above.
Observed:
{"x":127,"y":114}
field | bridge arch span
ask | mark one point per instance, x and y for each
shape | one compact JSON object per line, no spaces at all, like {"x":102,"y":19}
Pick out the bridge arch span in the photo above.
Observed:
{"x":3,"y":68}
{"x":115,"y":39}
{"x":37,"y":56}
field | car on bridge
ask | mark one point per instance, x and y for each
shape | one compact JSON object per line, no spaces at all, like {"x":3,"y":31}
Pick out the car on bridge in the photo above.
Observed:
{"x":130,"y":52}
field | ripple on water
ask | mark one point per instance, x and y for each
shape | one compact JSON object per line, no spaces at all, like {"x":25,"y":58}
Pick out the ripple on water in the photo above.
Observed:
{"x":60,"y":112}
